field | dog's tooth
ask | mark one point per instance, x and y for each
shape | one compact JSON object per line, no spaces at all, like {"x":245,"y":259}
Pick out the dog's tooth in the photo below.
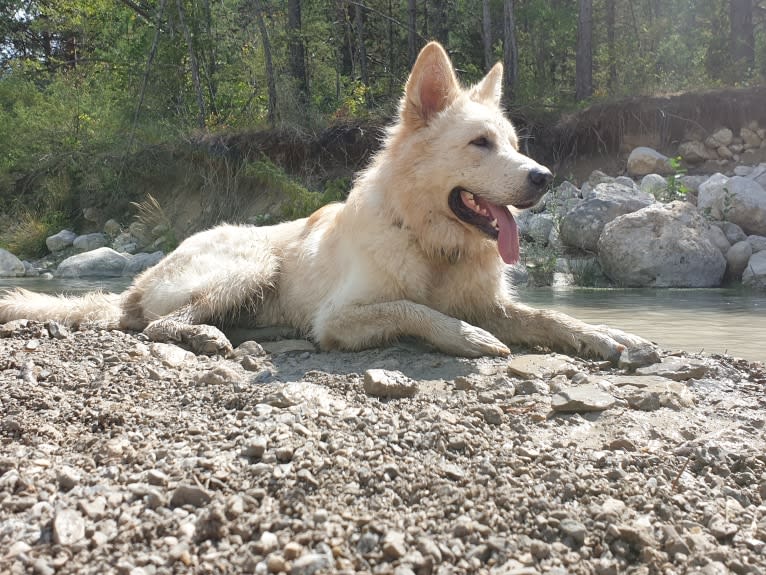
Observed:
{"x":494,"y":223}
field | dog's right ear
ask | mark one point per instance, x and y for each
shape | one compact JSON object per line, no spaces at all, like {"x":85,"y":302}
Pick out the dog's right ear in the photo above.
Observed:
{"x":431,"y":87}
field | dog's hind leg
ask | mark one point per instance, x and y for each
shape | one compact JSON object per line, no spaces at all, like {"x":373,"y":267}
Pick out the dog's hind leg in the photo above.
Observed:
{"x":353,"y":327}
{"x":180,"y":326}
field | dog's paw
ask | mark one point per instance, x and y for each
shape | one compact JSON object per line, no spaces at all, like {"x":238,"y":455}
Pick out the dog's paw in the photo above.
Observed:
{"x":209,"y":340}
{"x":607,"y":343}
{"x":472,"y":341}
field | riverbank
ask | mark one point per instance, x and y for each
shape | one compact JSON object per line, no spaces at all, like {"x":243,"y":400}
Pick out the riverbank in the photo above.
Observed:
{"x":120,"y":455}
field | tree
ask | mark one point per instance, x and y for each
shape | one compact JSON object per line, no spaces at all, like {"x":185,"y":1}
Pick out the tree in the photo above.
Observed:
{"x":584,"y":57}
{"x":486,"y":33}
{"x":741,"y":39}
{"x":270,"y":83}
{"x":510,"y":51}
{"x":297,"y":50}
{"x":412,"y":32}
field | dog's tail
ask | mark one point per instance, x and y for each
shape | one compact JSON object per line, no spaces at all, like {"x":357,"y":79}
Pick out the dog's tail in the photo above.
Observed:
{"x":99,"y":308}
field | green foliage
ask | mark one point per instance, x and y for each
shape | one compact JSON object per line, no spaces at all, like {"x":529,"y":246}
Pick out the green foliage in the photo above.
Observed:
{"x":26,"y":238}
{"x":540,"y":261}
{"x":675,"y":190}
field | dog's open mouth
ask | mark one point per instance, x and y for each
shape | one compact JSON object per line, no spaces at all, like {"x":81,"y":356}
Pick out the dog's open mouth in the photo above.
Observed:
{"x":494,"y":220}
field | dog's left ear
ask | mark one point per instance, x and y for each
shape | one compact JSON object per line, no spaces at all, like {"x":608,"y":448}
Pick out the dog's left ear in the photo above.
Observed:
{"x":431,"y":87}
{"x":490,"y":89}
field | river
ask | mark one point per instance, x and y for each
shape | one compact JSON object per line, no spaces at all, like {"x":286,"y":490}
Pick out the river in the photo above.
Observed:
{"x":710,"y":320}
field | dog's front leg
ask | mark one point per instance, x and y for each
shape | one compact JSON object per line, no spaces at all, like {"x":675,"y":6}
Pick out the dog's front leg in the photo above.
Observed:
{"x":353,"y":327}
{"x":515,"y":323}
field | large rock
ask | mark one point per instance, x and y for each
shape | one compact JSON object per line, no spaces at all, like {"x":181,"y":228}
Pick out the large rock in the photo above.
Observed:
{"x":738,"y":199}
{"x":61,"y":240}
{"x":139,"y":262}
{"x":661,"y":246}
{"x":721,"y":137}
{"x":582,"y":225}
{"x":88,"y":242}
{"x":737,"y":257}
{"x":695,"y":152}
{"x":755,"y":272}
{"x":99,"y":263}
{"x":644,"y":160}
{"x":10,"y":265}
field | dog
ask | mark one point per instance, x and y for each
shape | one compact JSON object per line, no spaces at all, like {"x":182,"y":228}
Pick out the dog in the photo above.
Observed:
{"x":419,"y":249}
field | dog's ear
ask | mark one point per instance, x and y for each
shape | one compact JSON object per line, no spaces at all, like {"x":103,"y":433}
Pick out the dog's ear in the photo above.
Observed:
{"x":490,"y":89}
{"x":431,"y":87}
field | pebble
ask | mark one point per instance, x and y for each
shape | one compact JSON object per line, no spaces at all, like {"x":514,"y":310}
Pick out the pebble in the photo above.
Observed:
{"x":68,"y":527}
{"x":67,"y":477}
{"x":581,"y":399}
{"x":287,"y":346}
{"x":189,"y":495}
{"x":311,"y":563}
{"x":219,"y":375}
{"x":393,"y":545}
{"x":255,"y":447}
{"x":292,"y":550}
{"x":677,"y":369}
{"x":638,"y":356}
{"x":388,"y":384}
{"x":172,"y":355}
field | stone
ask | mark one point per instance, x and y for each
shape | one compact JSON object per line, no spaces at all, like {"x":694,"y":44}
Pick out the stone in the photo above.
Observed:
{"x":219,"y":375}
{"x":139,"y":262}
{"x":750,"y":138}
{"x":61,"y":240}
{"x":388,"y":384}
{"x":539,"y":228}
{"x":311,"y":563}
{"x":661,"y":246}
{"x":718,"y":237}
{"x":581,"y":399}
{"x":582,"y":226}
{"x":535,"y":366}
{"x":68,"y":527}
{"x":737,"y":258}
{"x":288,"y":346}
{"x":650,"y":393}
{"x":695,"y":152}
{"x":676,"y":368}
{"x":644,"y":160}
{"x":638,"y":356}
{"x":67,"y":477}
{"x":171,"y":355}
{"x":721,"y":137}
{"x":10,"y":265}
{"x":255,"y":447}
{"x":737,"y":199}
{"x":654,"y":184}
{"x":758,"y":243}
{"x":732,"y":231}
{"x":393,"y":545}
{"x":755,"y":272}
{"x":125,"y":243}
{"x":101,"y":262}
{"x":88,"y":242}
{"x":573,"y":529}
{"x":189,"y":495}
{"x":112,"y":228}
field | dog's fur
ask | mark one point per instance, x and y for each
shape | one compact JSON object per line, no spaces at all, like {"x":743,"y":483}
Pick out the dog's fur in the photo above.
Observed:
{"x":396,"y":259}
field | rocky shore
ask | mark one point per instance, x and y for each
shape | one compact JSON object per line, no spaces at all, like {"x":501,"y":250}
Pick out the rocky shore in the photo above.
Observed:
{"x":123,"y":456}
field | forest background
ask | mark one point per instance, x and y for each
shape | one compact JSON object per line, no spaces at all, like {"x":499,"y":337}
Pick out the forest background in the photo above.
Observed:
{"x":102,"y":99}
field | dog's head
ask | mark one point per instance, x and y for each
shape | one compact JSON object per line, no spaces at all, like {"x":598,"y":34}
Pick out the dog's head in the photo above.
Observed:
{"x":463,"y":163}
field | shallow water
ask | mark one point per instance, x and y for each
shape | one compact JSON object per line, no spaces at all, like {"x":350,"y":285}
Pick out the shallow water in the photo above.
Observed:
{"x":711,"y":320}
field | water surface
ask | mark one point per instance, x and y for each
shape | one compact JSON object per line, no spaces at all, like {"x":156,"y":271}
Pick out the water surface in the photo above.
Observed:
{"x":711,"y":320}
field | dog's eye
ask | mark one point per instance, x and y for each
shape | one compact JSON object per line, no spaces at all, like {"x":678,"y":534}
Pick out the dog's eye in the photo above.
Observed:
{"x":481,"y":142}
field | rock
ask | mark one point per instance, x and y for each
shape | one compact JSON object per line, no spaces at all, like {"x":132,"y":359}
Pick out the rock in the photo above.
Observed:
{"x":654,"y":184}
{"x":393,"y":545}
{"x":125,"y":243}
{"x":721,"y":137}
{"x":10,"y":265}
{"x":573,"y":529}
{"x":737,"y":258}
{"x":581,"y":227}
{"x":676,"y":368}
{"x":737,"y":199}
{"x":718,"y":237}
{"x":581,"y":399}
{"x":88,"y":242}
{"x":189,"y":495}
{"x":67,"y":477}
{"x":140,"y":262}
{"x":171,"y":355}
{"x":661,"y":246}
{"x":750,"y":138}
{"x":68,"y":527}
{"x":101,"y":262}
{"x":758,"y":243}
{"x":539,"y":228}
{"x":695,"y":152}
{"x":649,"y":393}
{"x":255,"y":447}
{"x":112,"y":228}
{"x":644,"y":160}
{"x":219,"y":375}
{"x":311,"y":563}
{"x":61,"y":240}
{"x":288,"y":346}
{"x":388,"y":384}
{"x":638,"y":356}
{"x":732,"y":231}
{"x":755,"y":272}
{"x":534,"y":366}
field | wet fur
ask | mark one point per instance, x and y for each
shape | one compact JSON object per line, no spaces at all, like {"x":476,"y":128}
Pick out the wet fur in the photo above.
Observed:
{"x":392,"y":261}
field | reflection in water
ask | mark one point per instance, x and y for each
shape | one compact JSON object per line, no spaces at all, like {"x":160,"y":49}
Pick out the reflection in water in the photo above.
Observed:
{"x":713,"y":320}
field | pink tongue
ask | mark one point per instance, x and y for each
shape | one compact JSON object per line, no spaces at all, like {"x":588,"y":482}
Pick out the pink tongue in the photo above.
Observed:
{"x":508,"y":238}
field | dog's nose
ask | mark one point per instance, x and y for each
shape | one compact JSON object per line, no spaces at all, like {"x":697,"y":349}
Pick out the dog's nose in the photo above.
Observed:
{"x":540,"y":177}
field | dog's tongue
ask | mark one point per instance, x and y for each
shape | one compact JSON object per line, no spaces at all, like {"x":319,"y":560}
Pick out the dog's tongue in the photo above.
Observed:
{"x":508,"y":237}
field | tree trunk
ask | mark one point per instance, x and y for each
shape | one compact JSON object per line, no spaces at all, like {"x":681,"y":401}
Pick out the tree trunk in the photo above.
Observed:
{"x":412,"y":32}
{"x":212,"y":59}
{"x":440,"y":27}
{"x":194,"y":65}
{"x":510,"y":52}
{"x":741,"y":39}
{"x":611,"y":48}
{"x":295,"y":43}
{"x":486,"y":33}
{"x":584,"y":58}
{"x":270,"y":82}
{"x":360,"y":48}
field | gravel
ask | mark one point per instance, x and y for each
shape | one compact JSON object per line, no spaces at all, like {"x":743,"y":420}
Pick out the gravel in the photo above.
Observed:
{"x":118,"y":455}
